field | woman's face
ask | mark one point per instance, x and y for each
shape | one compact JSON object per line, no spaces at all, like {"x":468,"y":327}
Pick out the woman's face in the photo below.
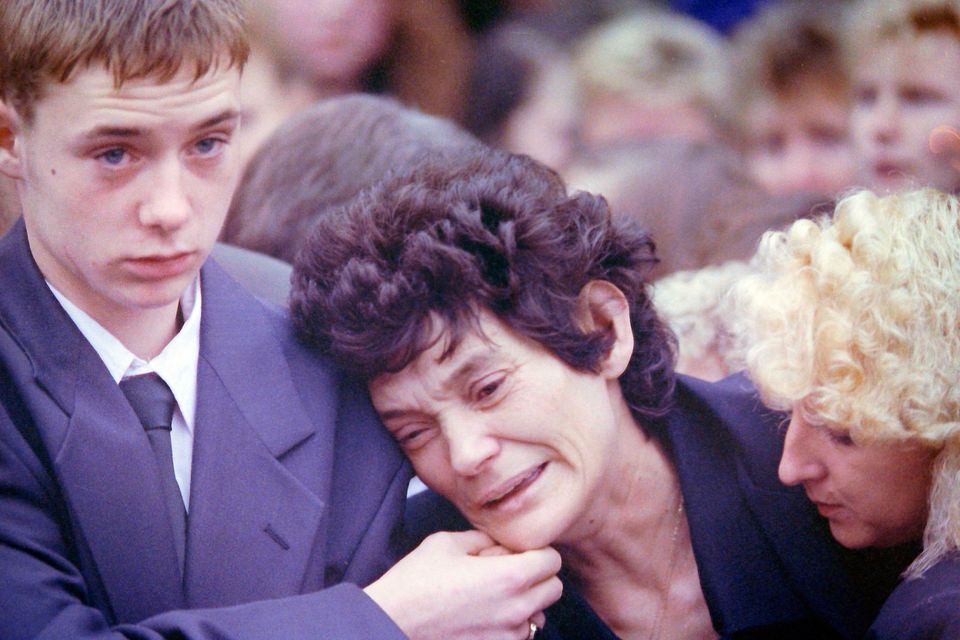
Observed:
{"x":872,"y":495}
{"x":520,"y":442}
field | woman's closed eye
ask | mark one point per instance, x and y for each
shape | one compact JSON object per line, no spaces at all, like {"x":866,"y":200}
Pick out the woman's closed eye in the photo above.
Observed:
{"x":413,"y":436}
{"x":489,"y":388}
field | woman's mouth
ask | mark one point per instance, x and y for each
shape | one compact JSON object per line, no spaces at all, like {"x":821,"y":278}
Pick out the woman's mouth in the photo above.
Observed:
{"x":511,"y":491}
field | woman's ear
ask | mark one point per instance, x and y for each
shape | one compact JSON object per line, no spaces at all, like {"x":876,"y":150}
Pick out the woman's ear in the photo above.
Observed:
{"x":601,"y":306}
{"x":10,"y":164}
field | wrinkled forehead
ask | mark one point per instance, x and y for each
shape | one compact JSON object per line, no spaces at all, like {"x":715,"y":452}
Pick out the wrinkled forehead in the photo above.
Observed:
{"x":449,"y":344}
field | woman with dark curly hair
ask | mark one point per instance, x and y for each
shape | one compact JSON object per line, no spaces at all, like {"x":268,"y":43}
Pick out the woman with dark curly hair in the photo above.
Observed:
{"x":509,"y":344}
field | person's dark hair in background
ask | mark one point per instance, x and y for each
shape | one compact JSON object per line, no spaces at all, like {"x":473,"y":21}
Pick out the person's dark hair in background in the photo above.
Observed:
{"x":322,"y":158}
{"x":523,"y":94}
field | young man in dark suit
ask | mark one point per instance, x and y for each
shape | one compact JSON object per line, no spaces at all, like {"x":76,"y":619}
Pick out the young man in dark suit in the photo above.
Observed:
{"x":173,"y":463}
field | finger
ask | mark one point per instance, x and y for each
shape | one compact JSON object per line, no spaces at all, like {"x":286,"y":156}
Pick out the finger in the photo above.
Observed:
{"x":495,"y":550}
{"x":542,"y":563}
{"x":543,"y":594}
{"x":468,"y":542}
{"x":525,"y":631}
{"x":539,"y":619}
{"x":944,"y":139}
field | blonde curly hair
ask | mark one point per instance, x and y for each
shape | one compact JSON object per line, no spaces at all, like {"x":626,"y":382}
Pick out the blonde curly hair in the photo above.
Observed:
{"x":855,"y":322}
{"x":657,"y":57}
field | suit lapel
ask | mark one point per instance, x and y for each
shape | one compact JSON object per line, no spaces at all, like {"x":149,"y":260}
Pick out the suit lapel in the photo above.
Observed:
{"x":254,"y":525}
{"x":114,"y":487}
{"x":99,"y":452}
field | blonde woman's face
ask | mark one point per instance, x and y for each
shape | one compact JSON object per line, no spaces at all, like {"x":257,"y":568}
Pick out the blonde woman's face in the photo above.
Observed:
{"x":871,"y":495}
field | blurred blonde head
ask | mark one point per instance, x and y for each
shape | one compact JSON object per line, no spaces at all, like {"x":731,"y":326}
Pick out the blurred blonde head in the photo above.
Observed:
{"x":855,"y":322}
{"x":692,"y":303}
{"x":667,"y":67}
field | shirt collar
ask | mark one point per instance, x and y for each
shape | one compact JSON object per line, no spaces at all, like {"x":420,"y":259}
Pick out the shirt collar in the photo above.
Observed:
{"x":176,"y":364}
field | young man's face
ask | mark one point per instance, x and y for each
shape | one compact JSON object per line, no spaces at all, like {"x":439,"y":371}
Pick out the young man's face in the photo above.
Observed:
{"x":124,"y":191}
{"x":903,"y":90}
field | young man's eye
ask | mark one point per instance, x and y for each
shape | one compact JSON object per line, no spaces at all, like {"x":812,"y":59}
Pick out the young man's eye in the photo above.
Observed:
{"x":207,"y":146}
{"x":113,"y":157}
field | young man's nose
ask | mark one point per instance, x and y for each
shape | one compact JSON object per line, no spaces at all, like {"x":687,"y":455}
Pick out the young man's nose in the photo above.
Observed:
{"x":167,"y":204}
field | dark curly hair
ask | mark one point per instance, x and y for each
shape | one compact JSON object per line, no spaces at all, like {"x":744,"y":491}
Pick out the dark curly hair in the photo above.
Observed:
{"x":479,"y":230}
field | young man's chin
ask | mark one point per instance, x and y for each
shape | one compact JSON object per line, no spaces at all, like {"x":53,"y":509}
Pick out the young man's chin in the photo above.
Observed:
{"x":159,"y":293}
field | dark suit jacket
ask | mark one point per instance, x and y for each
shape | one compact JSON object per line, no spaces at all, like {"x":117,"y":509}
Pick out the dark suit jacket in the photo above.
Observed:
{"x":924,"y":608}
{"x":295,"y":485}
{"x":264,"y":276}
{"x":768,"y":566}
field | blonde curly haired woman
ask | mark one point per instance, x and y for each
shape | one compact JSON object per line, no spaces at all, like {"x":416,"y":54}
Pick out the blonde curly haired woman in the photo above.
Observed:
{"x":853,"y":324}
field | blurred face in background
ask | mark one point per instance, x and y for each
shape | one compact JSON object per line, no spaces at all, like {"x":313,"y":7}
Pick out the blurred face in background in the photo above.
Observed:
{"x":544,"y":125}
{"x":333,"y":40}
{"x":904,"y":89}
{"x":609,"y":118}
{"x":801,"y":144}
{"x":266,"y":101}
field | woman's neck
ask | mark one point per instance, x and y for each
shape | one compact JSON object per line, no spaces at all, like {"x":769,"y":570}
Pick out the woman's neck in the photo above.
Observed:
{"x":631,"y":557}
{"x":632,"y":525}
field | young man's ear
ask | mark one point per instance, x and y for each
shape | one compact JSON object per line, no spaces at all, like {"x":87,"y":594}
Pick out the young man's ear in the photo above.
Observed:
{"x":602,"y":306}
{"x":10,"y":124}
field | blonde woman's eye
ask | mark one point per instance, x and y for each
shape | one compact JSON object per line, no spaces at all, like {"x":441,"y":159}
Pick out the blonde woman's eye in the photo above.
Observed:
{"x":841,"y":438}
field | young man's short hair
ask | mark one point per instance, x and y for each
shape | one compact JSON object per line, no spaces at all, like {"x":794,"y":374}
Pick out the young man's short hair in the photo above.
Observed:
{"x":48,"y":41}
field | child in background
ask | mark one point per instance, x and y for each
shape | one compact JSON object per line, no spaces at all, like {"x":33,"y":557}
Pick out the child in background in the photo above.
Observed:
{"x":905,"y":65}
{"x":794,"y":99}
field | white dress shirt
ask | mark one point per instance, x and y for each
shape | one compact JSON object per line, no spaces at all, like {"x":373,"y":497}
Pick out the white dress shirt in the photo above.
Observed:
{"x":176,"y":365}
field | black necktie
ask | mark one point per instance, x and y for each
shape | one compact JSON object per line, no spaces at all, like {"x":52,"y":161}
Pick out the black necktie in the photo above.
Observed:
{"x":153,"y":402}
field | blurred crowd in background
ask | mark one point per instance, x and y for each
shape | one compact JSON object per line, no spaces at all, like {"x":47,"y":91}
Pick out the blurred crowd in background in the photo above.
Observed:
{"x":708,"y":122}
